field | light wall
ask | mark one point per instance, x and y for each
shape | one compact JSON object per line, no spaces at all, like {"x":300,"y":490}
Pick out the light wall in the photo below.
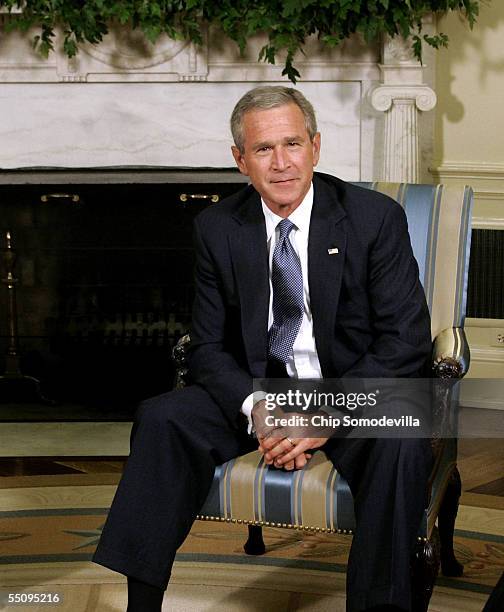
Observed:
{"x":470,"y":88}
{"x":469,"y":141}
{"x":469,"y":125}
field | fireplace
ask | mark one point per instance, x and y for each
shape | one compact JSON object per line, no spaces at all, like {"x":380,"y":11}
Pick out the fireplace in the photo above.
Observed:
{"x":105,"y":269}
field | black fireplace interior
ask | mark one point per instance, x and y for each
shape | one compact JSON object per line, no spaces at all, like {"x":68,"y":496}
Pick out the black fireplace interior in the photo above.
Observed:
{"x":105,"y":283}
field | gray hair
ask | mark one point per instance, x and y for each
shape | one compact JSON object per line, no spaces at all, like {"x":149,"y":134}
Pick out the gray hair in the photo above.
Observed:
{"x":270,"y":96}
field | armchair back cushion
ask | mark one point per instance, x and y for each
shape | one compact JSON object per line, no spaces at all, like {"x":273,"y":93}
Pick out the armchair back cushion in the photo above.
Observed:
{"x":439,"y":226}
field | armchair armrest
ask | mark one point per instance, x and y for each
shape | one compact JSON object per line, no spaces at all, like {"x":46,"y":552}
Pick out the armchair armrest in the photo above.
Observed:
{"x":450,"y":355}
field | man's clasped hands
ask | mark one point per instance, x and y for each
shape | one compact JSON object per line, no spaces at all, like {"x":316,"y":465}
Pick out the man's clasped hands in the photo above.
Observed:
{"x":284,"y":447}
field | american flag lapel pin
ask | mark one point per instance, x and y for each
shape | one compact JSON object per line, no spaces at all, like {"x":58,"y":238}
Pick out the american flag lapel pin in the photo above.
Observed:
{"x":333,"y":251}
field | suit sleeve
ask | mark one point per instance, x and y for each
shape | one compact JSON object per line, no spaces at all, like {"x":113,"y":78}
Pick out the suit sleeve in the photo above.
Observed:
{"x":399,"y":313}
{"x":211,"y":365}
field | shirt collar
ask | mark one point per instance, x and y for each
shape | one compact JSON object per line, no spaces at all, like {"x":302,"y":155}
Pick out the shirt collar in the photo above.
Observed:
{"x":300,"y":216}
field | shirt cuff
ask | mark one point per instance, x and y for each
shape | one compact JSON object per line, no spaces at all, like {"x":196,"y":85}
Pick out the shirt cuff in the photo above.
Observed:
{"x":248,"y":404}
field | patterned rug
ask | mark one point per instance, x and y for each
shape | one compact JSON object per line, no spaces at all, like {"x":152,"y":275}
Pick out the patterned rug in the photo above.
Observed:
{"x":71,"y":534}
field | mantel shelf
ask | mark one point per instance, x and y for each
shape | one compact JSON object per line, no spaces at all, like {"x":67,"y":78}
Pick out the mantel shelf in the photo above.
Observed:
{"x":42,"y":175}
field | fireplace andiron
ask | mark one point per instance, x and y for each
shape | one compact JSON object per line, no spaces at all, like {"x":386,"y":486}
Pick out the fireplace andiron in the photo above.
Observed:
{"x":13,"y":377}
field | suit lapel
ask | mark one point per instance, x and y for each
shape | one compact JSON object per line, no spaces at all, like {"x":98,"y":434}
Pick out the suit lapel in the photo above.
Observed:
{"x":325,"y":269}
{"x":250,"y":263}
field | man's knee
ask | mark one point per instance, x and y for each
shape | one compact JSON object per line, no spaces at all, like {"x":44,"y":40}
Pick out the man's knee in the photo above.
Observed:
{"x":405,"y":451}
{"x":182,"y":406}
{"x":160,"y":409}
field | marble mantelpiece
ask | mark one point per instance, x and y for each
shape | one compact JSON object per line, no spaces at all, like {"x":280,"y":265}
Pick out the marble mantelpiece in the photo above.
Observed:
{"x":127,"y":102}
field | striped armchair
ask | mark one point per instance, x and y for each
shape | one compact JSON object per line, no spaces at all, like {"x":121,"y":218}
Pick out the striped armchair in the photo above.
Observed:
{"x":317,"y":498}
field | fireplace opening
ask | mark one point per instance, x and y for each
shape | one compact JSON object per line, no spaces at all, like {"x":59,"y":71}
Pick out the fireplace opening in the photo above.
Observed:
{"x":104,"y":270}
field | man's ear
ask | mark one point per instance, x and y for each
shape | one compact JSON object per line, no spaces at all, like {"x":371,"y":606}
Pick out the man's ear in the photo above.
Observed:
{"x":316,"y":148}
{"x":239,"y":159}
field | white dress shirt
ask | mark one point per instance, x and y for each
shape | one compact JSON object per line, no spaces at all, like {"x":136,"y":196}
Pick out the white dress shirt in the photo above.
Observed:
{"x":303,"y":361}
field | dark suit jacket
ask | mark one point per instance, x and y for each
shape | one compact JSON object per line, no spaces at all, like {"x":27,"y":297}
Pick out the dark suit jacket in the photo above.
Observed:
{"x":369,"y":311}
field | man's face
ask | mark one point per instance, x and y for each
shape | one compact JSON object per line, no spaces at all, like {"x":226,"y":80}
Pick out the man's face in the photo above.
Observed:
{"x":278,"y":156}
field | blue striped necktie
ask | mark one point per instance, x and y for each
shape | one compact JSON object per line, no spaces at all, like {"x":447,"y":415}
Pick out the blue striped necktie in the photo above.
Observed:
{"x":288,"y":304}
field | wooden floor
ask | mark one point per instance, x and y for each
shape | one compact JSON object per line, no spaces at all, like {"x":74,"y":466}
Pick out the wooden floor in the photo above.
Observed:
{"x":44,"y":466}
{"x":201,"y":587}
{"x":481,"y":465}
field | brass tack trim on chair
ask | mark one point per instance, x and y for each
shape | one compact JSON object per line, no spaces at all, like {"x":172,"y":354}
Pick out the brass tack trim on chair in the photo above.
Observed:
{"x":204,"y":517}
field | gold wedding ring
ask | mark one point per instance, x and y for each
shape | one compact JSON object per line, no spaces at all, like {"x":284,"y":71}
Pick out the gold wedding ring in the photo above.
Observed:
{"x":289,"y":440}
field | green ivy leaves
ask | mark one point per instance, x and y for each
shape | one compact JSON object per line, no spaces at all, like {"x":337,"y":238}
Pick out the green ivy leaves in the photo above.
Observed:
{"x":287,"y":23}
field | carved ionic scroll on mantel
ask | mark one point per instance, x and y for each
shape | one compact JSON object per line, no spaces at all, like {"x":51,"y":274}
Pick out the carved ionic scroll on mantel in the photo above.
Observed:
{"x":421,"y":96}
{"x":401,"y":96}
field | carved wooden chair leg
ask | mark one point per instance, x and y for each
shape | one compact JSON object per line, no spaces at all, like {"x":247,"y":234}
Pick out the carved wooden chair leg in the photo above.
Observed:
{"x":255,"y":543}
{"x":446,"y":521}
{"x":424,"y":570}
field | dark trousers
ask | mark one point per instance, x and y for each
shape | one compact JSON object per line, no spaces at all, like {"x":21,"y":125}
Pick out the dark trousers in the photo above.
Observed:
{"x":177,"y":440}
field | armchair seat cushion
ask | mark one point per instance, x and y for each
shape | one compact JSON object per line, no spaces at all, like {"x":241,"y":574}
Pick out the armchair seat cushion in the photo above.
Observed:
{"x":315,"y":498}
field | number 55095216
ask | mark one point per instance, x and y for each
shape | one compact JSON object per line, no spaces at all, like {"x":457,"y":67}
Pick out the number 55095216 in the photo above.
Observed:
{"x":30,"y":598}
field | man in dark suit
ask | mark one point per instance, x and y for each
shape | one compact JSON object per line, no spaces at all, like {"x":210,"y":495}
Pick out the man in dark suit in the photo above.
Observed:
{"x":300,"y":275}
